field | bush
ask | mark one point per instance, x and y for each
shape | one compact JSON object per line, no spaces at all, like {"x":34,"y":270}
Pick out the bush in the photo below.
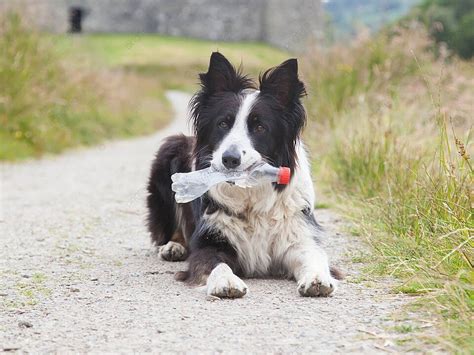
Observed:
{"x":464,"y":37}
{"x":451,"y":22}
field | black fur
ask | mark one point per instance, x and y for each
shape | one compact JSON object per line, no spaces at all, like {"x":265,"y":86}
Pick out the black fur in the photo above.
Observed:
{"x":280,"y":109}
{"x":175,"y":155}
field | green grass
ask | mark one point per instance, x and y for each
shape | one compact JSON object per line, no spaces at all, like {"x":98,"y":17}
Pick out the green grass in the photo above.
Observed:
{"x":61,"y":91}
{"x":173,"y":61}
{"x":392,"y":126}
{"x":124,"y":49}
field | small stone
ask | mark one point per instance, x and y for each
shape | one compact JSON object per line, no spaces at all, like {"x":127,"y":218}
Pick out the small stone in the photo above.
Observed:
{"x":73,"y":289}
{"x":25,"y":324}
{"x":10,"y":348}
{"x":94,"y":279}
{"x":211,"y":298}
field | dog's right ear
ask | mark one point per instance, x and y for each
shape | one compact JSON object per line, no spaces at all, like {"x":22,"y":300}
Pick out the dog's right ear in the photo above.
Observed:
{"x":222,"y":76}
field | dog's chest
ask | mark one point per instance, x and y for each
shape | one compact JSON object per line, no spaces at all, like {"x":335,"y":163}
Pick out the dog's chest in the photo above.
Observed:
{"x":260,"y":224}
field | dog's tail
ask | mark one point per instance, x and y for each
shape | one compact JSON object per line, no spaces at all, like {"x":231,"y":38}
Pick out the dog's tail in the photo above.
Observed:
{"x":336,"y":273}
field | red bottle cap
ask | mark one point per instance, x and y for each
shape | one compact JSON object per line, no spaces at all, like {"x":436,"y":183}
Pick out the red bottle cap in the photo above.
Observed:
{"x":284,"y":175}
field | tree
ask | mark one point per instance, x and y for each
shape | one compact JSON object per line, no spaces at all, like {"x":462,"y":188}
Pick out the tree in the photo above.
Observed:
{"x":451,"y":22}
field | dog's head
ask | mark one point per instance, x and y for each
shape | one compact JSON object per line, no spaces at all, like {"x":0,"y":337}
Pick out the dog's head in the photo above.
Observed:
{"x":238,"y":124}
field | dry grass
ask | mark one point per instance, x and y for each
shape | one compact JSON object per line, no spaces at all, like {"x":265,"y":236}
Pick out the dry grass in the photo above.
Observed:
{"x":392,"y":126}
{"x":48,"y":104}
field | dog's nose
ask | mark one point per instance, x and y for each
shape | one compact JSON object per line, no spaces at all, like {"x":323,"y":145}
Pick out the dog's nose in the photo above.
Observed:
{"x":231,"y":158}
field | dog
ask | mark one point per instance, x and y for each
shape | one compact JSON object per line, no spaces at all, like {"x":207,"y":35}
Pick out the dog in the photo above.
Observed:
{"x":232,"y":233}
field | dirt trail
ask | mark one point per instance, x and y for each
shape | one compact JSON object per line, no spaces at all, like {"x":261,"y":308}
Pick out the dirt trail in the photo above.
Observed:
{"x":78,"y":274}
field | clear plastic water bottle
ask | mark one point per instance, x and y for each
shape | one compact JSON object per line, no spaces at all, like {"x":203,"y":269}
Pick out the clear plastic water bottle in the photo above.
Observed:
{"x":189,"y":186}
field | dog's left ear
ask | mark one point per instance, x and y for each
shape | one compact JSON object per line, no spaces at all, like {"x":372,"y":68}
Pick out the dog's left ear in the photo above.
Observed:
{"x":282,"y":82}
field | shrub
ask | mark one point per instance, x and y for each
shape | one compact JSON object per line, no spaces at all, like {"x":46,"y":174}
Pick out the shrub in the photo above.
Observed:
{"x":451,"y":22}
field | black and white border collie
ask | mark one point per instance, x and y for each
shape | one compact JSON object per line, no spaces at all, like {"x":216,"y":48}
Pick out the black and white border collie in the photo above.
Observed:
{"x":232,"y":232}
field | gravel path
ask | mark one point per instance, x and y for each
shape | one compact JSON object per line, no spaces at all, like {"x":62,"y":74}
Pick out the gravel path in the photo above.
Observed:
{"x":77,"y":271}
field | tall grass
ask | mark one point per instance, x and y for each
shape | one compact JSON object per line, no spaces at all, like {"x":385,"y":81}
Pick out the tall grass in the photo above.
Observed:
{"x":47,"y":104}
{"x":392,"y":125}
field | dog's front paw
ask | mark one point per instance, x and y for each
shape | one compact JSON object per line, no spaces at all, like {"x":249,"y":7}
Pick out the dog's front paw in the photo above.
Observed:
{"x":317,"y":286}
{"x":173,"y":251}
{"x":224,"y":284}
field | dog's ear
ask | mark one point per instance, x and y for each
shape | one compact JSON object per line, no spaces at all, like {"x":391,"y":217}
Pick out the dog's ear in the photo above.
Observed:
{"x":282,"y":82}
{"x":221,"y":76}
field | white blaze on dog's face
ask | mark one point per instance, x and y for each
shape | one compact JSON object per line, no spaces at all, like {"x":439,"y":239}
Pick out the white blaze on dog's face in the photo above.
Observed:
{"x":236,"y":151}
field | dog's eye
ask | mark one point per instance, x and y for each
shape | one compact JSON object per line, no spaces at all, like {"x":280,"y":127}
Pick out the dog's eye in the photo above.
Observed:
{"x":223,"y":125}
{"x":259,"y":129}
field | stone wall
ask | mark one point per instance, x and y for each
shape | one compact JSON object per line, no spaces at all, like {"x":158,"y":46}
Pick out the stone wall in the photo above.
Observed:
{"x":289,"y":24}
{"x":292,"y":24}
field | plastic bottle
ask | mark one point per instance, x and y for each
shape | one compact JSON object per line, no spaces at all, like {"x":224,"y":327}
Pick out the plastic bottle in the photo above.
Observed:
{"x":189,"y":186}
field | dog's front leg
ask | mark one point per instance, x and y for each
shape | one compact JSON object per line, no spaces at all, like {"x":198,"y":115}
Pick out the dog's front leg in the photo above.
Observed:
{"x":222,"y":282}
{"x":215,"y":266}
{"x":308,"y":263}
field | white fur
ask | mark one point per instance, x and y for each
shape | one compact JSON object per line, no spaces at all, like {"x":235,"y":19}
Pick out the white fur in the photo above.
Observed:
{"x":223,"y":283}
{"x":239,"y":136}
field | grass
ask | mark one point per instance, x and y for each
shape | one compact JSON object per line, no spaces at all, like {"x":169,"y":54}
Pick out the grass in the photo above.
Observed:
{"x":174,"y":61}
{"x":392,"y":127}
{"x":62,"y":91}
{"x":48,"y":104}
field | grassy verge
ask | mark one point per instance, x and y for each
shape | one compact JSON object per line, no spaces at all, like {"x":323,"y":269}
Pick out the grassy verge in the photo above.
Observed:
{"x":48,"y":104}
{"x":63,"y":91}
{"x":392,"y":127}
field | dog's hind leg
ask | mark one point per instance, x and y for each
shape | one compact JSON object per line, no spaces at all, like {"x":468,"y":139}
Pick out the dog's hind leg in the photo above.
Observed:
{"x":175,"y":249}
{"x":169,"y":225}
